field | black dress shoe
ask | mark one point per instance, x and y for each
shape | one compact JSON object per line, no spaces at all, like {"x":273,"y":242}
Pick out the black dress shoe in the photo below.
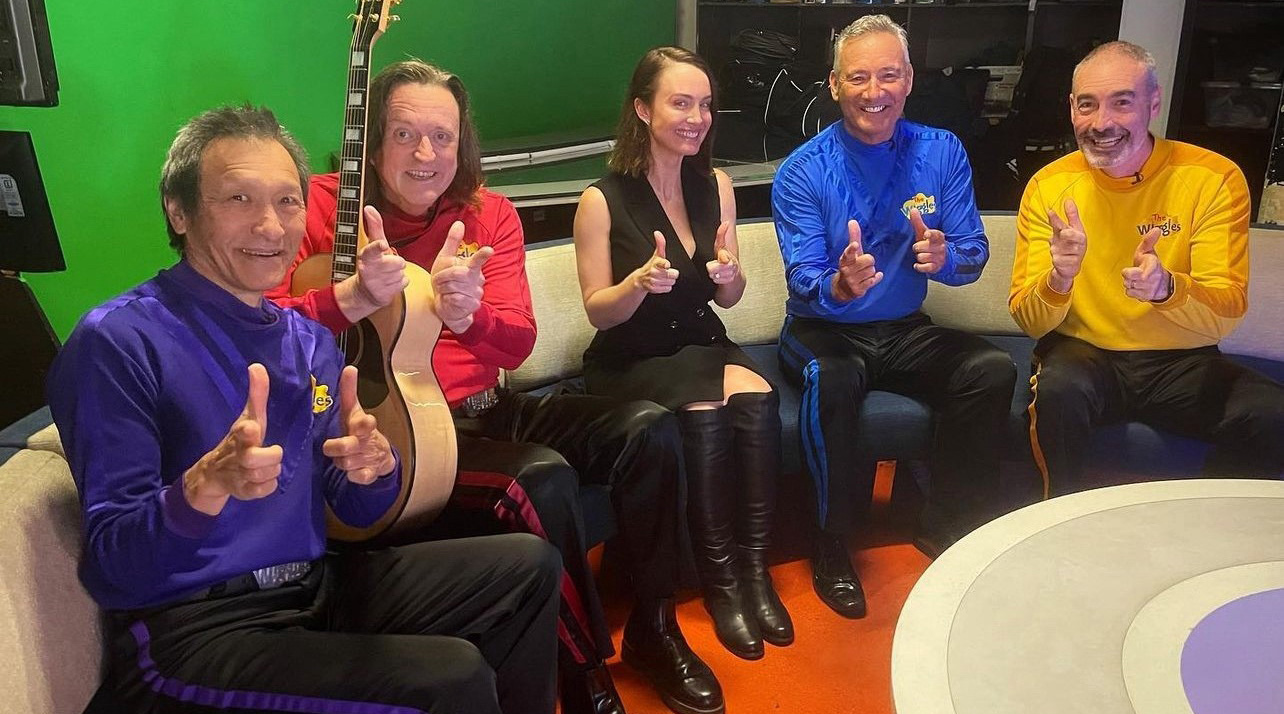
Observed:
{"x":933,"y":542}
{"x":834,"y":580}
{"x":655,"y":647}
{"x":590,"y":691}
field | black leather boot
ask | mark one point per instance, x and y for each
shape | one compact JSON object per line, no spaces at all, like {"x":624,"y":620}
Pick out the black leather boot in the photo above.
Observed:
{"x":833,"y":578}
{"x":707,"y":439}
{"x":755,"y":417}
{"x":589,"y":690}
{"x":654,"y":645}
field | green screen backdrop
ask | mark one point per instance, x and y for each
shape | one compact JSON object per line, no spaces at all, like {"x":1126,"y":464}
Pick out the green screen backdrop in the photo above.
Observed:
{"x":132,"y":71}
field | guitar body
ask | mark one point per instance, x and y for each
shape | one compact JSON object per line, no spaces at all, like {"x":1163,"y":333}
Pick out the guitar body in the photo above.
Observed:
{"x":392,"y":350}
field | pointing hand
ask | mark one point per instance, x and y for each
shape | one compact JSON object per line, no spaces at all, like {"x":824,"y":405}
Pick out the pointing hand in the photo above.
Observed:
{"x":856,"y":271}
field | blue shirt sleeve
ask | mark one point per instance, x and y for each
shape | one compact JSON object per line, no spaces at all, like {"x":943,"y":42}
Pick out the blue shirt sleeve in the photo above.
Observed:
{"x":355,"y":504}
{"x":966,"y":247}
{"x":804,"y":241}
{"x":137,"y":521}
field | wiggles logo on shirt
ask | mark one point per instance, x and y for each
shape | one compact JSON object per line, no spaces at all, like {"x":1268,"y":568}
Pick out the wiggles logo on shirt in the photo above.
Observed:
{"x":924,"y":203}
{"x":466,"y":250}
{"x":1165,"y":224}
{"x":321,"y":399}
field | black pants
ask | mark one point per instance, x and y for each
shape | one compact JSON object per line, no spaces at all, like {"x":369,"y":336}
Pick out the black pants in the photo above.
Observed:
{"x":463,"y":626}
{"x":967,"y":381}
{"x":550,"y":445}
{"x":1195,"y":393}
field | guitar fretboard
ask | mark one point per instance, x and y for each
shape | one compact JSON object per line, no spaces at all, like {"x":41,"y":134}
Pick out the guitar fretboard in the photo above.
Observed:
{"x":352,"y":161}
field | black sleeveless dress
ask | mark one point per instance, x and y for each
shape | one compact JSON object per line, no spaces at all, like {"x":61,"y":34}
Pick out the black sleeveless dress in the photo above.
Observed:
{"x":673,"y":349}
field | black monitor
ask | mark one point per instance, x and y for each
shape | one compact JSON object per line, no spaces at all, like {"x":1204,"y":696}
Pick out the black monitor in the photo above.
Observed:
{"x":27,"y":74}
{"x":28,"y":240}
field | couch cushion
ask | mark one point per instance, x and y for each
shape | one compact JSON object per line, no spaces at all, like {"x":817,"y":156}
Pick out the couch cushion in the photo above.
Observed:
{"x":17,"y":433}
{"x":47,"y":439}
{"x":757,"y":318}
{"x":1261,"y":334}
{"x":563,"y":330}
{"x":981,"y":307}
{"x":49,"y":629}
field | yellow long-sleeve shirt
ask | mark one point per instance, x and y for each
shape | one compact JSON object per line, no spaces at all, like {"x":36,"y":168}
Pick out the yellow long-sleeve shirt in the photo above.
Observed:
{"x":1200,"y":202}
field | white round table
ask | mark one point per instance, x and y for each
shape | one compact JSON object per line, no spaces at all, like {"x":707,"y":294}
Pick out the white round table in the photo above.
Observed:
{"x":1153,"y":598}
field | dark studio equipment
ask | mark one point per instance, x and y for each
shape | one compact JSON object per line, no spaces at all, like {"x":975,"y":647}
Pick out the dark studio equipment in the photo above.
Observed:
{"x":28,"y":242}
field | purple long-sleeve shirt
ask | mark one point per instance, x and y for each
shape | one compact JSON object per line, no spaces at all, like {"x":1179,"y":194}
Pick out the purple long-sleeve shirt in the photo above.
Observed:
{"x":151,"y":381}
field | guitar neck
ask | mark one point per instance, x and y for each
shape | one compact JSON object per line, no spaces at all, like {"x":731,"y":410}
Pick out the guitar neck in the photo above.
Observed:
{"x":349,"y":234}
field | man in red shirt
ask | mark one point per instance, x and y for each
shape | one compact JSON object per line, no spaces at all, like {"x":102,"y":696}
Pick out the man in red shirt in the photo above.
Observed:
{"x":434,"y":212}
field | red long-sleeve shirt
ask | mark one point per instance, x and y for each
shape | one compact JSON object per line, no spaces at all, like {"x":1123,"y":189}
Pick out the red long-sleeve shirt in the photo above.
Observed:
{"x":503,"y":330}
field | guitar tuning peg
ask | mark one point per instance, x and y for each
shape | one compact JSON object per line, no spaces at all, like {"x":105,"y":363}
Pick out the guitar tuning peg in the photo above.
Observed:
{"x":354,"y":17}
{"x":394,"y":18}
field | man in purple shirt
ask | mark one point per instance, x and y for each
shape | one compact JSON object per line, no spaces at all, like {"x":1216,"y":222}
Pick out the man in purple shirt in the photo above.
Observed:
{"x":208,"y":430}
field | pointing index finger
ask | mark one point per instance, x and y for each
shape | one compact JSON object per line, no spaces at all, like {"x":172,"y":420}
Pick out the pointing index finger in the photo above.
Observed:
{"x":853,"y":236}
{"x":1148,"y":241}
{"x":1072,"y":214}
{"x":477,"y":260}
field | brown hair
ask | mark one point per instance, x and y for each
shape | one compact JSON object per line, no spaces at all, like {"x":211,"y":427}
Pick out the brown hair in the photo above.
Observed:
{"x":468,"y":176}
{"x":632,"y":152}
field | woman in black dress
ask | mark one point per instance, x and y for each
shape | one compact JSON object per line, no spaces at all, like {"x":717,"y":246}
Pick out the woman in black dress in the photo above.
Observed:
{"x":655,"y":241}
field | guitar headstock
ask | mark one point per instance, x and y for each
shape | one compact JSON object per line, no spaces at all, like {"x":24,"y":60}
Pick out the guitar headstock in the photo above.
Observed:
{"x":372,"y":18}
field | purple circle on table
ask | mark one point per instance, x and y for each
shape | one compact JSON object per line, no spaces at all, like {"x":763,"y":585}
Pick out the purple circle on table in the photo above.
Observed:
{"x":1233,"y":660}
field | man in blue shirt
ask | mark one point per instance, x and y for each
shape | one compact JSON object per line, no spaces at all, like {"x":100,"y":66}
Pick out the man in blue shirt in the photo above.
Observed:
{"x":208,"y":431}
{"x":866,"y":213}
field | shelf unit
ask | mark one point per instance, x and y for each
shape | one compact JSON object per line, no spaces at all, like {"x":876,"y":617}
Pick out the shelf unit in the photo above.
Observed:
{"x":941,"y":35}
{"x":1221,"y":40}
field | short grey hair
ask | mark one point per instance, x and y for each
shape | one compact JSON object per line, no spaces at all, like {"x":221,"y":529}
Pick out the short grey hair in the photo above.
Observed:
{"x":1129,"y":50}
{"x":181,"y":174}
{"x":869,"y":25}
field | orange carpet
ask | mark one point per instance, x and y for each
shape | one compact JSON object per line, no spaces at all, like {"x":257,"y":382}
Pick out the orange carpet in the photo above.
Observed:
{"x":836,"y":665}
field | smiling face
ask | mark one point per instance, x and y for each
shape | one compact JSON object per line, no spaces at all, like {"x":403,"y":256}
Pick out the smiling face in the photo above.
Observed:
{"x":871,"y":83}
{"x":249,"y":218}
{"x":680,"y":114}
{"x":1111,"y":105}
{"x":420,"y":152}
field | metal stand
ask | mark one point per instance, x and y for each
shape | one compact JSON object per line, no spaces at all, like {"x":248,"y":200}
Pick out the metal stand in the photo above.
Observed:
{"x":1271,"y":208}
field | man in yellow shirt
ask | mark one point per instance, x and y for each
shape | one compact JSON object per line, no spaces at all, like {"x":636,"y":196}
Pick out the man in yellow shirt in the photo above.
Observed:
{"x":1131,"y":264}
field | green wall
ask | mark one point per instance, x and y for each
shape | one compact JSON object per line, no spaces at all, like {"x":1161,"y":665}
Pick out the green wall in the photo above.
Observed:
{"x":132,"y":71}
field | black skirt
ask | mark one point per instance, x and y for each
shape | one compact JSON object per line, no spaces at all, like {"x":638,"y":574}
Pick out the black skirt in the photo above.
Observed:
{"x":692,"y":374}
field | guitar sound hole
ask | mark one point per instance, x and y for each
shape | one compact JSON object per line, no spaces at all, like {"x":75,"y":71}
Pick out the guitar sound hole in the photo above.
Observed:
{"x":364,"y":352}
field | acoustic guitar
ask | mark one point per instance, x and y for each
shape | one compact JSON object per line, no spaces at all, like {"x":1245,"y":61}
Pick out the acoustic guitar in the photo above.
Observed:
{"x":392,"y":348}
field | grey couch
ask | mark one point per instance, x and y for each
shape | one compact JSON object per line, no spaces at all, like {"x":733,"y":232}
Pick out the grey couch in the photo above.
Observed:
{"x":49,"y":627}
{"x":894,"y":427}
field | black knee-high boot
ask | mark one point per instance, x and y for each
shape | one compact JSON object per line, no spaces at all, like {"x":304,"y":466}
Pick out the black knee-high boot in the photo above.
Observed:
{"x":707,"y":439}
{"x":755,"y":418}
